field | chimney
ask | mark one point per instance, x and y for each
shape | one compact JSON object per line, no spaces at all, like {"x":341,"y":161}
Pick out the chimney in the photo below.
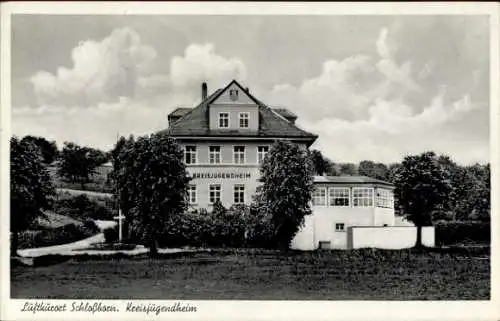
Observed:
{"x":204,"y":91}
{"x":247,"y":90}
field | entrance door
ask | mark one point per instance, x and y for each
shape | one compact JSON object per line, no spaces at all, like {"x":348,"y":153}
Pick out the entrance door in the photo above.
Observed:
{"x":339,"y":238}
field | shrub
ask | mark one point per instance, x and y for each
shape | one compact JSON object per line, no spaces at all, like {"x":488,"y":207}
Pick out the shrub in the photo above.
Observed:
{"x":60,"y":235}
{"x":194,"y":228}
{"x":111,"y":235}
{"x":462,"y":232}
{"x":238,"y":226}
{"x":91,"y":226}
{"x":259,"y":230}
{"x":91,"y":186}
{"x":81,"y":207}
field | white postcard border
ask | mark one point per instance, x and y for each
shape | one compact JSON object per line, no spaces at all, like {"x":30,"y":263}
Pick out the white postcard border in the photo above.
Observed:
{"x":263,"y":310}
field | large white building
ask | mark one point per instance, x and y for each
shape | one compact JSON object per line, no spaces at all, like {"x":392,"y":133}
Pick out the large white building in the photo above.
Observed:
{"x":226,"y":137}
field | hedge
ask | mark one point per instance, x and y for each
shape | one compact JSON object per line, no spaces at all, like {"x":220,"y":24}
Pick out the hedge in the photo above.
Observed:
{"x":60,"y":235}
{"x":462,"y":232}
{"x":238,"y":226}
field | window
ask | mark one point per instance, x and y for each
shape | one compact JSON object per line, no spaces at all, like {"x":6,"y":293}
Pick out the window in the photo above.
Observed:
{"x":214,"y":155}
{"x":243,"y":120}
{"x":362,"y":196}
{"x":190,"y":154}
{"x":261,"y":153}
{"x":319,"y":196}
{"x":385,"y":198}
{"x":339,"y":227}
{"x":339,"y":196}
{"x":192,"y":198}
{"x":239,"y":154}
{"x":233,"y":94}
{"x":214,"y":193}
{"x":223,"y":120}
{"x":239,"y":194}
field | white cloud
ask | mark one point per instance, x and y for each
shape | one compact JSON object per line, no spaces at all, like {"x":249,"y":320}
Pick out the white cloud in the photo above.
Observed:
{"x":96,"y":125}
{"x":102,"y":71}
{"x":200,"y":63}
{"x":347,"y":88}
{"x":112,"y":89}
{"x":362,"y":106}
{"x":383,"y":50}
{"x":122,"y":66}
{"x":360,"y":109}
{"x":393,"y":130}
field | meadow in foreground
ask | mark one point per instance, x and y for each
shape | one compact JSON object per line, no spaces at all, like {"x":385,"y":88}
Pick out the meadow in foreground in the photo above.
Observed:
{"x":263,"y":275}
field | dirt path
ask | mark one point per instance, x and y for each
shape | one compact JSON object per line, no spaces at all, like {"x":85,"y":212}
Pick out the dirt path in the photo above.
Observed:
{"x":62,"y":249}
{"x":79,"y":192}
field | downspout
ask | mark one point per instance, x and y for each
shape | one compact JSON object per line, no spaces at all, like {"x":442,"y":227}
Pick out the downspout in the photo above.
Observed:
{"x":374,"y":206}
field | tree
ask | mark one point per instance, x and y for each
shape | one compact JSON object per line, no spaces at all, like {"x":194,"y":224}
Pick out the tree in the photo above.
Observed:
{"x":321,"y":164}
{"x":152,"y":183}
{"x":456,"y":204}
{"x":391,"y":171}
{"x":348,"y":169}
{"x":479,"y":195}
{"x":118,"y":154}
{"x":48,"y":149}
{"x":119,"y":146}
{"x":285,"y":194}
{"x":470,"y":195}
{"x":372,"y":169}
{"x":30,"y":187}
{"x":78,"y":164}
{"x":421,"y":187}
{"x":334,"y":169}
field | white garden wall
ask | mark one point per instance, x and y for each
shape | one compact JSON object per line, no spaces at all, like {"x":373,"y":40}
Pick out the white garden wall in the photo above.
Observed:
{"x":392,"y":237}
{"x":304,"y":239}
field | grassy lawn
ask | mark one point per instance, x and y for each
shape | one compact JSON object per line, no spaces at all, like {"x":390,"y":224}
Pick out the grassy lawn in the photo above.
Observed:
{"x":55,"y":220}
{"x":335,"y":275}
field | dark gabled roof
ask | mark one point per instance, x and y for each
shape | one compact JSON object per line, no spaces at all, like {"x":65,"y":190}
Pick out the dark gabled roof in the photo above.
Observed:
{"x":271,"y":123}
{"x":285,"y":113}
{"x":350,"y":180}
{"x":180,"y":111}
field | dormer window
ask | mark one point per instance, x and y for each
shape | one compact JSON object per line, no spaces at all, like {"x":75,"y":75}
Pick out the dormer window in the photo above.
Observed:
{"x":244,"y":120}
{"x":233,"y":94}
{"x":223,"y":120}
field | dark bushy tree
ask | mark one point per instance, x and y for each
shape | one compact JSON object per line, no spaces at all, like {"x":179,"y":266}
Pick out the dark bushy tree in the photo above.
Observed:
{"x":321,"y":164}
{"x":121,"y":148}
{"x":372,"y":169}
{"x":30,"y":187}
{"x":391,"y":171}
{"x":349,"y":169}
{"x":421,"y":188}
{"x":479,"y":196}
{"x":455,"y":206}
{"x":152,"y":182}
{"x":78,"y":164}
{"x":285,"y":194}
{"x":48,"y":149}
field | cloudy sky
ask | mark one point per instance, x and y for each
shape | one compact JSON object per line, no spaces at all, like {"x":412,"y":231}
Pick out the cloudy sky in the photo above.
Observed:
{"x":371,"y":87}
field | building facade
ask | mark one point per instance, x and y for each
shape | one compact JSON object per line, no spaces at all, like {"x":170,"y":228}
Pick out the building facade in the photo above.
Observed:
{"x":226,"y":137}
{"x":342,"y":202}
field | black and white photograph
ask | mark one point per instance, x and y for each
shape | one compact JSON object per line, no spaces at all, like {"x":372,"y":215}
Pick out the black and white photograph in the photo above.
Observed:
{"x":217,"y":157}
